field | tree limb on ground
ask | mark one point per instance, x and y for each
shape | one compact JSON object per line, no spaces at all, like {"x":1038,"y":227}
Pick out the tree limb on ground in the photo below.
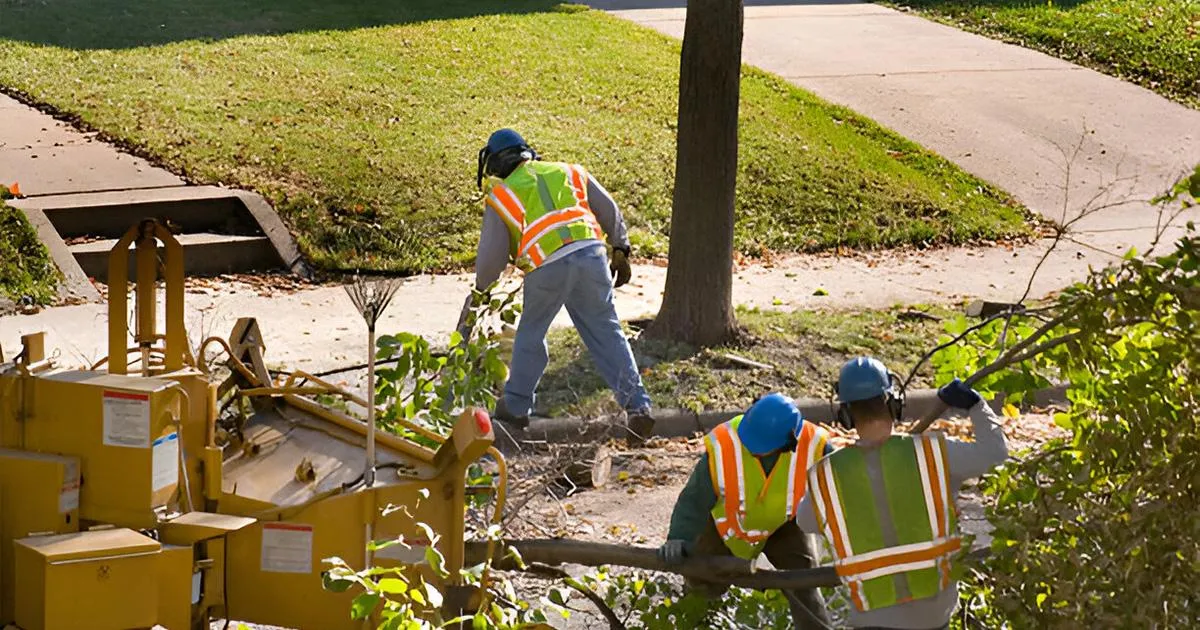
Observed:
{"x":718,"y":569}
{"x":726,"y":569}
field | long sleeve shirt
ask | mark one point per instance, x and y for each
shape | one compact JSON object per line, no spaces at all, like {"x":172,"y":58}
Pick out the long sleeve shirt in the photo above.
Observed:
{"x":965,"y":460}
{"x":494,"y":253}
{"x":693,"y":508}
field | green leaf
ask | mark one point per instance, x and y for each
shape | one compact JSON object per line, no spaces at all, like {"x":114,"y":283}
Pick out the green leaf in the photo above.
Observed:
{"x":335,"y":584}
{"x":364,"y":605}
{"x":393,"y":586}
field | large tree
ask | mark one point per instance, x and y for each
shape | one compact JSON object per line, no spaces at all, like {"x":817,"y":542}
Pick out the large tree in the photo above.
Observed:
{"x":698,"y":301}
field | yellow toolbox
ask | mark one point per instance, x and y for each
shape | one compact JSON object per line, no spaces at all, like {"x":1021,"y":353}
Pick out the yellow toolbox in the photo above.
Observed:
{"x":122,"y":428}
{"x":100,"y":580}
{"x":45,"y":493}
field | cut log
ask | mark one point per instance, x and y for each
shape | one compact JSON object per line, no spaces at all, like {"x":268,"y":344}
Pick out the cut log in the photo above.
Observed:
{"x":593,"y":472}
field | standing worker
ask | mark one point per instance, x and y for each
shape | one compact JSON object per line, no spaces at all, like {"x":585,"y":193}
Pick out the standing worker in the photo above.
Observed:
{"x":551,"y":219}
{"x":743,"y":495}
{"x":886,"y":503}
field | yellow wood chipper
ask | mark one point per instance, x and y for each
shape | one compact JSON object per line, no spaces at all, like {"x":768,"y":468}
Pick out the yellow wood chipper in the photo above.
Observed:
{"x":125,"y":503}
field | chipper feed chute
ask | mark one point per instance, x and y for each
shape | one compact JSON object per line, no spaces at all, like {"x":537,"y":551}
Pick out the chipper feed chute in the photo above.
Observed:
{"x":128,"y":500}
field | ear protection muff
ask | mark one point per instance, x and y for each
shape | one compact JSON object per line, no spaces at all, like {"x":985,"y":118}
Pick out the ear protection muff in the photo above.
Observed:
{"x":527,"y":153}
{"x":842,"y":415}
{"x":894,"y":398}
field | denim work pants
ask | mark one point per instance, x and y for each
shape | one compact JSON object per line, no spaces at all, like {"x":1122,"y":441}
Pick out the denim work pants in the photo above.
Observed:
{"x":581,"y":281}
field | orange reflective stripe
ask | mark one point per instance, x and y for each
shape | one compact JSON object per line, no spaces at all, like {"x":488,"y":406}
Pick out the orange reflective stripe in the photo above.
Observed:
{"x":923,"y":555}
{"x":800,"y":478}
{"x":580,"y":189}
{"x":510,"y":203}
{"x":856,"y":595}
{"x":550,"y":221}
{"x":536,"y":256}
{"x":729,"y":468}
{"x":831,"y":515}
{"x":935,"y":484}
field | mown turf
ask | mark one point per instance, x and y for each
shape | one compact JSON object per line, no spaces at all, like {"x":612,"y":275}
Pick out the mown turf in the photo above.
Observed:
{"x":361,"y":121}
{"x":1155,"y":43}
{"x":805,"y":348}
{"x":26,"y":270}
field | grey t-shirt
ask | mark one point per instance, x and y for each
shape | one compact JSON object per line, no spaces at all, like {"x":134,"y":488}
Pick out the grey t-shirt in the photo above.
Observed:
{"x":966,"y":460}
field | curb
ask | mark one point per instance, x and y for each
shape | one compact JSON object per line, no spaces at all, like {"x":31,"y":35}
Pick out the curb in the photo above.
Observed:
{"x":671,"y":423}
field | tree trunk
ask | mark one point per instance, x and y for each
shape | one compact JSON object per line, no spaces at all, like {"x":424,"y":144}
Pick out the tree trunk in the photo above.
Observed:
{"x":698,"y":301}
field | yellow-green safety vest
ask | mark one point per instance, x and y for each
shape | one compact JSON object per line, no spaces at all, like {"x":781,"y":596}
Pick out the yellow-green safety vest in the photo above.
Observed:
{"x":907,"y":555}
{"x":545,"y":206}
{"x":751,"y":505}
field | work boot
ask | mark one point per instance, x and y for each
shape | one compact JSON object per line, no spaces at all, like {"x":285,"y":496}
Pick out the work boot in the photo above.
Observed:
{"x":502,"y":414}
{"x":639,"y":426}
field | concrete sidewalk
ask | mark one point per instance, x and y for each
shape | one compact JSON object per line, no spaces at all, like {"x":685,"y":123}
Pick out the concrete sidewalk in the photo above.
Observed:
{"x":49,"y":157}
{"x":1002,"y":112}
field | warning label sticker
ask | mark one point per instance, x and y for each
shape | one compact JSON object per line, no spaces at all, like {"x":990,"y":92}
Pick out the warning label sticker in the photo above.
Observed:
{"x":287,"y":547}
{"x":126,"y":419}
{"x":165,"y":457}
{"x":68,"y":495}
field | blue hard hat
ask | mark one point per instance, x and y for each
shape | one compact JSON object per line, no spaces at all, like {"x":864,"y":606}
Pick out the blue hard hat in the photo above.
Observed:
{"x":863,"y":378}
{"x":770,"y":423}
{"x":504,"y":139}
{"x":500,"y":140}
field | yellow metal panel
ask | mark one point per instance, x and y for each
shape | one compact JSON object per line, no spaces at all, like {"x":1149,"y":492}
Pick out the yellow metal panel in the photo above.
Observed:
{"x":100,"y":580}
{"x":194,"y":527}
{"x":98,"y":543}
{"x":196,"y":429}
{"x":175,"y":585}
{"x":212,"y":602}
{"x":111,"y":423}
{"x":43,"y":493}
{"x":278,"y":588}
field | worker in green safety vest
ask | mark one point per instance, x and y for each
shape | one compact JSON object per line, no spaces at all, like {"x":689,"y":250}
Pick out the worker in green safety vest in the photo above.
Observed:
{"x":553,"y":220}
{"x":886,"y":503}
{"x":743,"y":494}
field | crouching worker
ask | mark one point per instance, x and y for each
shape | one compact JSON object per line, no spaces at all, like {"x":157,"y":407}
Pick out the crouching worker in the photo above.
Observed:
{"x":742,"y":497}
{"x":886,"y":503}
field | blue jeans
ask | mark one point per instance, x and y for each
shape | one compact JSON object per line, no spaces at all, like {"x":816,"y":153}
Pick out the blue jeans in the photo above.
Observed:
{"x":582,"y":282}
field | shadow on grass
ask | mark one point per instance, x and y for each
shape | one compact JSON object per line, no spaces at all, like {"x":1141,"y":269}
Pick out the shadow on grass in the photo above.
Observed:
{"x":118,"y":24}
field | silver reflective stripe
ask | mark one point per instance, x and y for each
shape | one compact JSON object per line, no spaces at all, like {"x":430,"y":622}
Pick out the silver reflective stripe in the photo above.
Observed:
{"x":918,"y":442}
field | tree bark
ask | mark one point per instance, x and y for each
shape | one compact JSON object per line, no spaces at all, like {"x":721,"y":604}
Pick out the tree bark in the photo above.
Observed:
{"x":698,"y":300}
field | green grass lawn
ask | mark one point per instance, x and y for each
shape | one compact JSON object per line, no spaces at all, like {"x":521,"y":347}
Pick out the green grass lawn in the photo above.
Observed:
{"x":1155,"y":43}
{"x":361,"y":121}
{"x":806,"y":349}
{"x":25,"y":266}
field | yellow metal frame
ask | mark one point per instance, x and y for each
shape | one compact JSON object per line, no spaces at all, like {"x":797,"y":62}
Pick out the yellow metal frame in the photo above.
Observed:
{"x":210,"y":535}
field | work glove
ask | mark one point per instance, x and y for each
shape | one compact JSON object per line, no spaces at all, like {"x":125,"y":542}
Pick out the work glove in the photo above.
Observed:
{"x":673,"y":551}
{"x":620,"y":268}
{"x":959,"y":395}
